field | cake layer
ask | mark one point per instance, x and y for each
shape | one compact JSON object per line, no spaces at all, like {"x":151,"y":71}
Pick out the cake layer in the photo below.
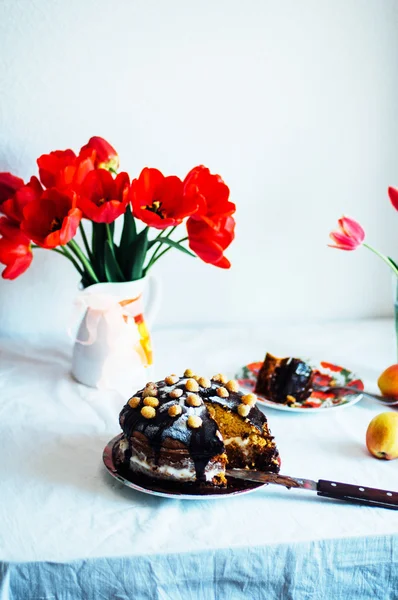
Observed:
{"x":167,"y":463}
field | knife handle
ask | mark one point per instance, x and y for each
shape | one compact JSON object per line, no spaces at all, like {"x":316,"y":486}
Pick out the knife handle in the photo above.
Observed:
{"x":356,"y":493}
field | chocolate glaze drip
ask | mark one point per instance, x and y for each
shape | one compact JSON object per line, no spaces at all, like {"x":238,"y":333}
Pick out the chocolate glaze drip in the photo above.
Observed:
{"x":203,"y":443}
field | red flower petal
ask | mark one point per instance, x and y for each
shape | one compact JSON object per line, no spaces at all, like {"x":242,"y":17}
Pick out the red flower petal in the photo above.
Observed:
{"x":50,"y":165}
{"x":15,"y":250}
{"x":349,"y":236}
{"x":209,"y":243}
{"x":13,"y":207}
{"x":210,"y":193}
{"x":11,"y":230}
{"x":103,"y":198}
{"x":17,"y":266}
{"x":352,"y":229}
{"x":52,"y":219}
{"x":393,"y":194}
{"x":158,"y":201}
{"x":341,"y":241}
{"x":9,"y":184}
{"x":105,"y":155}
{"x":70,"y":225}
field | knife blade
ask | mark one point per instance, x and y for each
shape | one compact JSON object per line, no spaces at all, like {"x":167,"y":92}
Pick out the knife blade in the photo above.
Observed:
{"x":323,"y":487}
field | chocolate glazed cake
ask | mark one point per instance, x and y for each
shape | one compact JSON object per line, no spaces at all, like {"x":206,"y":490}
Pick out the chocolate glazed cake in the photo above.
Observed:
{"x":189,"y":428}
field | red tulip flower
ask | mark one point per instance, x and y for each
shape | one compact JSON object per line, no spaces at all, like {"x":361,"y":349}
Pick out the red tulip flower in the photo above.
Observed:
{"x":13,"y":207}
{"x":393,"y":193}
{"x":52,"y":219}
{"x":349,"y":236}
{"x":158,"y":200}
{"x":9,"y":184}
{"x":103,"y":198}
{"x":106,"y":156}
{"x":63,"y":169}
{"x":209,"y":242}
{"x":51,"y":165}
{"x":15,"y":249}
{"x":210,"y":193}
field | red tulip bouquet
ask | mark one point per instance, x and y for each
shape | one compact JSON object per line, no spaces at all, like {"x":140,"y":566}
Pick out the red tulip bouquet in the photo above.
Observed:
{"x":72,"y":190}
{"x":350,"y":235}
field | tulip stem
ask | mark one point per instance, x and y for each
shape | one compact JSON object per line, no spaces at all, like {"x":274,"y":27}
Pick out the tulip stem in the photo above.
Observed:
{"x":63,"y":252}
{"x":68,"y":255}
{"x":83,"y":259}
{"x":383,"y":257}
{"x":157,"y":255}
{"x":169,"y":233}
{"x":157,"y":240}
{"x":85,"y":241}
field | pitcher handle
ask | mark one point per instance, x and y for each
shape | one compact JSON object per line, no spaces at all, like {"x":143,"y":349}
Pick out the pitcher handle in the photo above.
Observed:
{"x":154,"y":299}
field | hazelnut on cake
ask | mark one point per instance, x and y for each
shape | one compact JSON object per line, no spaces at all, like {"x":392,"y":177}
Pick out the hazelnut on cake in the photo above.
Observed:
{"x":189,"y":428}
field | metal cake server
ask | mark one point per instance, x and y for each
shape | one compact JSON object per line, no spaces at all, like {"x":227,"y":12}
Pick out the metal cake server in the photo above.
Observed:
{"x":329,"y":489}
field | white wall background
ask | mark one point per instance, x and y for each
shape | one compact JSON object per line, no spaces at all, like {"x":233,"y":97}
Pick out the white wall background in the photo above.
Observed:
{"x":293,"y":102}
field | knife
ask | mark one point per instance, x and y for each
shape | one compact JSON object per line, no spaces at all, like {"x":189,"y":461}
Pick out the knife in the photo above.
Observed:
{"x":328,"y":489}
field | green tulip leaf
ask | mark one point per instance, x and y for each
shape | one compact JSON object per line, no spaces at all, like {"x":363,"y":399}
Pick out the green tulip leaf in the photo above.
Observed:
{"x":112,"y":269}
{"x":176,"y":245}
{"x":135,"y":256}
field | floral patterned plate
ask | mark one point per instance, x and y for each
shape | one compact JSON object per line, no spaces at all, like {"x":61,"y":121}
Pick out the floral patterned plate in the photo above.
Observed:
{"x":326,"y":374}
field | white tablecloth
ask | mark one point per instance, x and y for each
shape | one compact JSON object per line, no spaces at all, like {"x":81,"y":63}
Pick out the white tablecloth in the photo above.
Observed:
{"x":59,"y":505}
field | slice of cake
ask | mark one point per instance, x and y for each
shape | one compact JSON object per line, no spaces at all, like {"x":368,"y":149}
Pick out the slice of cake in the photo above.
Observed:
{"x":284,"y":380}
{"x":189,"y":428}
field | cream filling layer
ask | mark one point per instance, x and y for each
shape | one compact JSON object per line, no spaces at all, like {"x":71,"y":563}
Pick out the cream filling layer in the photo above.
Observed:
{"x":237,"y":440}
{"x":185,"y":473}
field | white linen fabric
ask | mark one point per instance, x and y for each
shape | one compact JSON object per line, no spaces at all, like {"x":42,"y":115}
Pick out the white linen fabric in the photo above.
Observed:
{"x":60,"y":510}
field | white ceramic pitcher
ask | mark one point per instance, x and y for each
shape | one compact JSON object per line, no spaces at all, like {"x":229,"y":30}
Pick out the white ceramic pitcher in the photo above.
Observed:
{"x":113,"y":346}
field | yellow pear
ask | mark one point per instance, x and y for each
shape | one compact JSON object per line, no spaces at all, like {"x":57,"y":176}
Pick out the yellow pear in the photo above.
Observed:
{"x":382,"y":436}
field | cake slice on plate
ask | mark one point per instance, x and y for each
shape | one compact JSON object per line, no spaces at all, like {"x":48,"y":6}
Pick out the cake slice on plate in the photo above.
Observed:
{"x":284,"y":380}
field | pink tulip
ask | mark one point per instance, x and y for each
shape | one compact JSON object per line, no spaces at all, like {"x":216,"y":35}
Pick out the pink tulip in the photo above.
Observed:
{"x":349,"y":236}
{"x":393,"y":193}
